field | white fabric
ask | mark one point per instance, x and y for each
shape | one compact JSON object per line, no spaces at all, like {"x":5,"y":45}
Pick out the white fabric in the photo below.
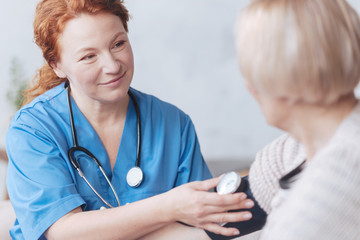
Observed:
{"x":324,"y":203}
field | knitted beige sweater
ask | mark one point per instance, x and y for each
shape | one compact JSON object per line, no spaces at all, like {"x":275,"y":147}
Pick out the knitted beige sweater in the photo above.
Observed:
{"x":324,"y":202}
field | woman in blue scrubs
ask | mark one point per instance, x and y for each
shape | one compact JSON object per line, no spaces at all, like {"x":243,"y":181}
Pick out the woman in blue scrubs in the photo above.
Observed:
{"x":88,"y":56}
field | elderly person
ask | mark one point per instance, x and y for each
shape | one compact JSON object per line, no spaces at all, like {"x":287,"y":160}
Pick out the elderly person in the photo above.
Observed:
{"x":301,"y":62}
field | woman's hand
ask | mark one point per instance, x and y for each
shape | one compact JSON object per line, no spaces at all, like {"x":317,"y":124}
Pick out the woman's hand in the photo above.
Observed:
{"x":193,"y":204}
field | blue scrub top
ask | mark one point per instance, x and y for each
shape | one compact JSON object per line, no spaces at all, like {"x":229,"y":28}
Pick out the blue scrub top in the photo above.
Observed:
{"x":42,"y":184}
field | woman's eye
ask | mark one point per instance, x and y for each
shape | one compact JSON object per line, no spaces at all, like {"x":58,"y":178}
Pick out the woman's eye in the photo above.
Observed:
{"x":88,"y":57}
{"x":119,"y":44}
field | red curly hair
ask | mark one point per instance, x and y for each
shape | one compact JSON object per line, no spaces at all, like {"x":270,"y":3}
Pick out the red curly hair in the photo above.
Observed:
{"x":51,"y":17}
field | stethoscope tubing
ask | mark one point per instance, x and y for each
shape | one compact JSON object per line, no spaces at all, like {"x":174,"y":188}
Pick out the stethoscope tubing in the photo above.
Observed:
{"x":75,"y":148}
{"x":137,"y":109}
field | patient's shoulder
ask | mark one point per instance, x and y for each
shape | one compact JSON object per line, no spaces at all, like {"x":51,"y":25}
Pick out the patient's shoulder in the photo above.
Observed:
{"x":275,"y":160}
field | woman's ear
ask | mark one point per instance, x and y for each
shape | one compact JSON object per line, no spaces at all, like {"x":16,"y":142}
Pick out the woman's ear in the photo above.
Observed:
{"x":57,"y":70}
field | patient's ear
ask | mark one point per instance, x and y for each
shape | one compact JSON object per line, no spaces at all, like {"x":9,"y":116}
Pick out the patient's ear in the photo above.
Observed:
{"x":251,"y":89}
{"x":57,"y":70}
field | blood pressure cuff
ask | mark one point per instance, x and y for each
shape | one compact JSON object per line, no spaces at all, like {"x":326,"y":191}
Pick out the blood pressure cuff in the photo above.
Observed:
{"x":254,"y":224}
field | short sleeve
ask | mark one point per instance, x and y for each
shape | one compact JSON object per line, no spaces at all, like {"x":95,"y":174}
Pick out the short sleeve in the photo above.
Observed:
{"x":39,"y":182}
{"x":192,"y":166}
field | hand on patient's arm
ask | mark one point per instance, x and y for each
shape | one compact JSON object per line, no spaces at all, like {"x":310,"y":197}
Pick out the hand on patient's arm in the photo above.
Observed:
{"x":194,"y":205}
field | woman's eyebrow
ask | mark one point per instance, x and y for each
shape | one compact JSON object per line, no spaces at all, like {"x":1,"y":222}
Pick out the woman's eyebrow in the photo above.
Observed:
{"x":85,"y":49}
{"x":117,"y":35}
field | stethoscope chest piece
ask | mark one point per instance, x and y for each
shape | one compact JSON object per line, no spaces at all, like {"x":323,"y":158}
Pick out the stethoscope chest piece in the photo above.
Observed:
{"x":134,"y":177}
{"x":229,"y":183}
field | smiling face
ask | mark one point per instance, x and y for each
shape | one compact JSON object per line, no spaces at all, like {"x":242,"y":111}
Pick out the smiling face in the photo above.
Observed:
{"x":96,"y":57}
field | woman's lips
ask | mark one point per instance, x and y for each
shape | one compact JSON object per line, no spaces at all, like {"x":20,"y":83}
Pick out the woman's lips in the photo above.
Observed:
{"x":114,"y":81}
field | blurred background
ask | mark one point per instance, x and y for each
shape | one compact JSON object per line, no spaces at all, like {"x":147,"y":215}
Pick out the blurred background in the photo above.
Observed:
{"x":184,"y":54}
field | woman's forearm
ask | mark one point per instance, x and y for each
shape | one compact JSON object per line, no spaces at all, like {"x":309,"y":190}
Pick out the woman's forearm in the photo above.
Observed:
{"x":190,"y":203}
{"x":131,"y":221}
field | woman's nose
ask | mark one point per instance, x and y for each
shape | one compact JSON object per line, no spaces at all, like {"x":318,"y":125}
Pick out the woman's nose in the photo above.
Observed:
{"x":111,"y":65}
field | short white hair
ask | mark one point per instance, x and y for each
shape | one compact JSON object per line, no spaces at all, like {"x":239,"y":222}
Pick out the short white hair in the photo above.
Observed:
{"x":301,"y":50}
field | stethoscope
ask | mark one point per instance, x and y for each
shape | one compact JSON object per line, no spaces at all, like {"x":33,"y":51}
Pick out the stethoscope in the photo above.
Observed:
{"x":134,"y":176}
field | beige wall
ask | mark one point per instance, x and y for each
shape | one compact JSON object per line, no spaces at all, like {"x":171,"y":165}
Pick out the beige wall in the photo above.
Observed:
{"x":3,"y":166}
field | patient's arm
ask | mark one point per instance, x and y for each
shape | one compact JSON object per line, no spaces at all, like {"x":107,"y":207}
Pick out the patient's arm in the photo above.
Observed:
{"x":257,"y":221}
{"x":177,"y":231}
